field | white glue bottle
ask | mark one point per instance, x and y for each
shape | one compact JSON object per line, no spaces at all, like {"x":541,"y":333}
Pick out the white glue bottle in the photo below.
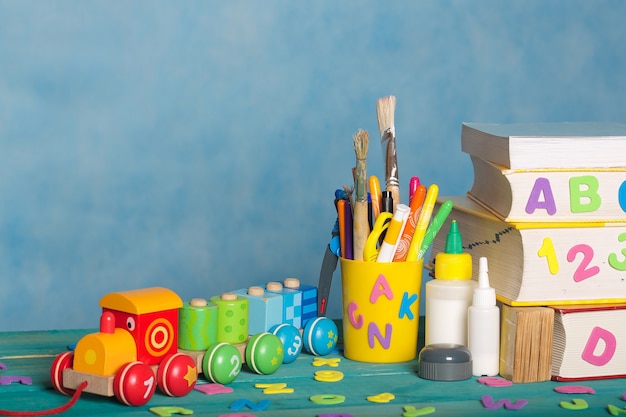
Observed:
{"x":483,"y":318}
{"x":449,"y":295}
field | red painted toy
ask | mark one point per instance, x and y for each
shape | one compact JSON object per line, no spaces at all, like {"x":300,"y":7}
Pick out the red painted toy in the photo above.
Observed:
{"x":135,"y":350}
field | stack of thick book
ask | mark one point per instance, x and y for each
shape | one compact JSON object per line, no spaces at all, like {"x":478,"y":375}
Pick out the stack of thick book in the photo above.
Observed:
{"x":548,"y":210}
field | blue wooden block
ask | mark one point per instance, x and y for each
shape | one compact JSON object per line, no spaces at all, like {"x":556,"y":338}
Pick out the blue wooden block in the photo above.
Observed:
{"x":309,"y":302}
{"x":309,"y":298}
{"x":265,"y":308}
{"x":292,"y":303}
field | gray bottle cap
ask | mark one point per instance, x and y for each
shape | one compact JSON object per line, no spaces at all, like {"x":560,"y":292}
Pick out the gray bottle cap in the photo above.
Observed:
{"x":445,"y":362}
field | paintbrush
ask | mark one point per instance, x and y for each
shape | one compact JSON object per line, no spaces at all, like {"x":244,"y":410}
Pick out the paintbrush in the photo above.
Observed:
{"x":385,"y":111}
{"x":360,"y":221}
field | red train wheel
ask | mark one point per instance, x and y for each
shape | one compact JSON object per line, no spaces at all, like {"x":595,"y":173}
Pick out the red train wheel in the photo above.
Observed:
{"x":134,"y":384}
{"x":62,"y":361}
{"x":177,"y":375}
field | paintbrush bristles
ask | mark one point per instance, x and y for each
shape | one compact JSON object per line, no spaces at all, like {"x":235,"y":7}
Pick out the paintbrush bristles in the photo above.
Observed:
{"x":361,"y":143}
{"x":385,"y":112}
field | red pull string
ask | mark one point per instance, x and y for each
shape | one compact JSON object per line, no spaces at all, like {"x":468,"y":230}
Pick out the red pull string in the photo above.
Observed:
{"x":57,"y":410}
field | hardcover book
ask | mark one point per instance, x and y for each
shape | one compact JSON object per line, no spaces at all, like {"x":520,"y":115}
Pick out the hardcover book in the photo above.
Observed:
{"x":551,"y":195}
{"x":589,"y":342}
{"x":542,"y":263}
{"x":547,"y":145}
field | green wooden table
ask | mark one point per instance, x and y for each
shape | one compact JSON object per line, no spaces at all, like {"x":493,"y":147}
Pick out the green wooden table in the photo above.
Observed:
{"x":31,"y":354}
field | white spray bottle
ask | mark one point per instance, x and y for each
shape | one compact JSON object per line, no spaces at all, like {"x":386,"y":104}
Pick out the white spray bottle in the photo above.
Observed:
{"x":483,"y":318}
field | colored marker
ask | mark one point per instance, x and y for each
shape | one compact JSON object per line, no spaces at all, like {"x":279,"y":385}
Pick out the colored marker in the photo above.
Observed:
{"x":394,"y":231}
{"x":407,"y":235}
{"x":435,"y":226}
{"x":413,"y":184}
{"x":341,"y":218}
{"x":349,"y":254}
{"x":422,"y":223}
{"x":376,"y":196}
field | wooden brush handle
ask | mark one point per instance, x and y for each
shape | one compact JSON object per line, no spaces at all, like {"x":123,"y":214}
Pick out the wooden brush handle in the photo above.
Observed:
{"x":361,"y":229}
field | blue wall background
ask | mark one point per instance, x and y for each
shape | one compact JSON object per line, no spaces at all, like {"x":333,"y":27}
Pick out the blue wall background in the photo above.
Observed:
{"x":198,"y":144}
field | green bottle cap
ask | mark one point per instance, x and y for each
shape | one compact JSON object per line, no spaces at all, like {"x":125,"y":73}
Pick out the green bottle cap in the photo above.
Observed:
{"x":454,"y":241}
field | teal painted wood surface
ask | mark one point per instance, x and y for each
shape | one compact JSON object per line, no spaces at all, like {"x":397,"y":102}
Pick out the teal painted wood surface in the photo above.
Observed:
{"x":31,"y":354}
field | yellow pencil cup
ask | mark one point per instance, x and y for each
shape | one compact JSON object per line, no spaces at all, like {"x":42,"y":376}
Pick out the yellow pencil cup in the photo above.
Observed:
{"x":380,"y":310}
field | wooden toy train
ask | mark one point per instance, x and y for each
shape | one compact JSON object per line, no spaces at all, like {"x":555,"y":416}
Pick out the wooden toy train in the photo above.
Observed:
{"x":149,"y":338}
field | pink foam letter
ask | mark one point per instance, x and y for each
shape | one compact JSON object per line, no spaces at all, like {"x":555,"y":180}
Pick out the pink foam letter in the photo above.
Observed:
{"x":598,"y":333}
{"x":355,"y":321}
{"x":381,"y":286}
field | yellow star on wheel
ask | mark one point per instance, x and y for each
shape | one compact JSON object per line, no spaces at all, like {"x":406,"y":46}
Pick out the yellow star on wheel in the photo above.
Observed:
{"x":274,"y":361}
{"x":191,"y":376}
{"x":279,"y":350}
{"x":331,"y":334}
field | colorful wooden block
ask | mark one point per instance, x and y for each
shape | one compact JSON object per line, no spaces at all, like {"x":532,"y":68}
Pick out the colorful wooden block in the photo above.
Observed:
{"x":292,"y":303}
{"x":151,"y":317}
{"x":232,"y":317}
{"x":309,"y":298}
{"x":197,"y":325}
{"x":265,"y":308}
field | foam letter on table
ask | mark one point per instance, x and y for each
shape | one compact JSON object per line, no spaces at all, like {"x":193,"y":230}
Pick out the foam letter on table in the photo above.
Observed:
{"x":610,"y":344}
{"x":381,"y":286}
{"x":335,"y":415}
{"x":615,"y":411}
{"x":589,"y":192}
{"x":489,"y":404}
{"x":8,"y":380}
{"x":542,"y":185}
{"x":167,"y":411}
{"x":374,"y":332}
{"x":244,"y":402}
{"x":212,"y":389}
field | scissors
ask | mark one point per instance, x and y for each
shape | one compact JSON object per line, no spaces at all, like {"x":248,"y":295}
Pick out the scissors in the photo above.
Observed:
{"x":329,"y":263}
{"x":370,"y":252}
